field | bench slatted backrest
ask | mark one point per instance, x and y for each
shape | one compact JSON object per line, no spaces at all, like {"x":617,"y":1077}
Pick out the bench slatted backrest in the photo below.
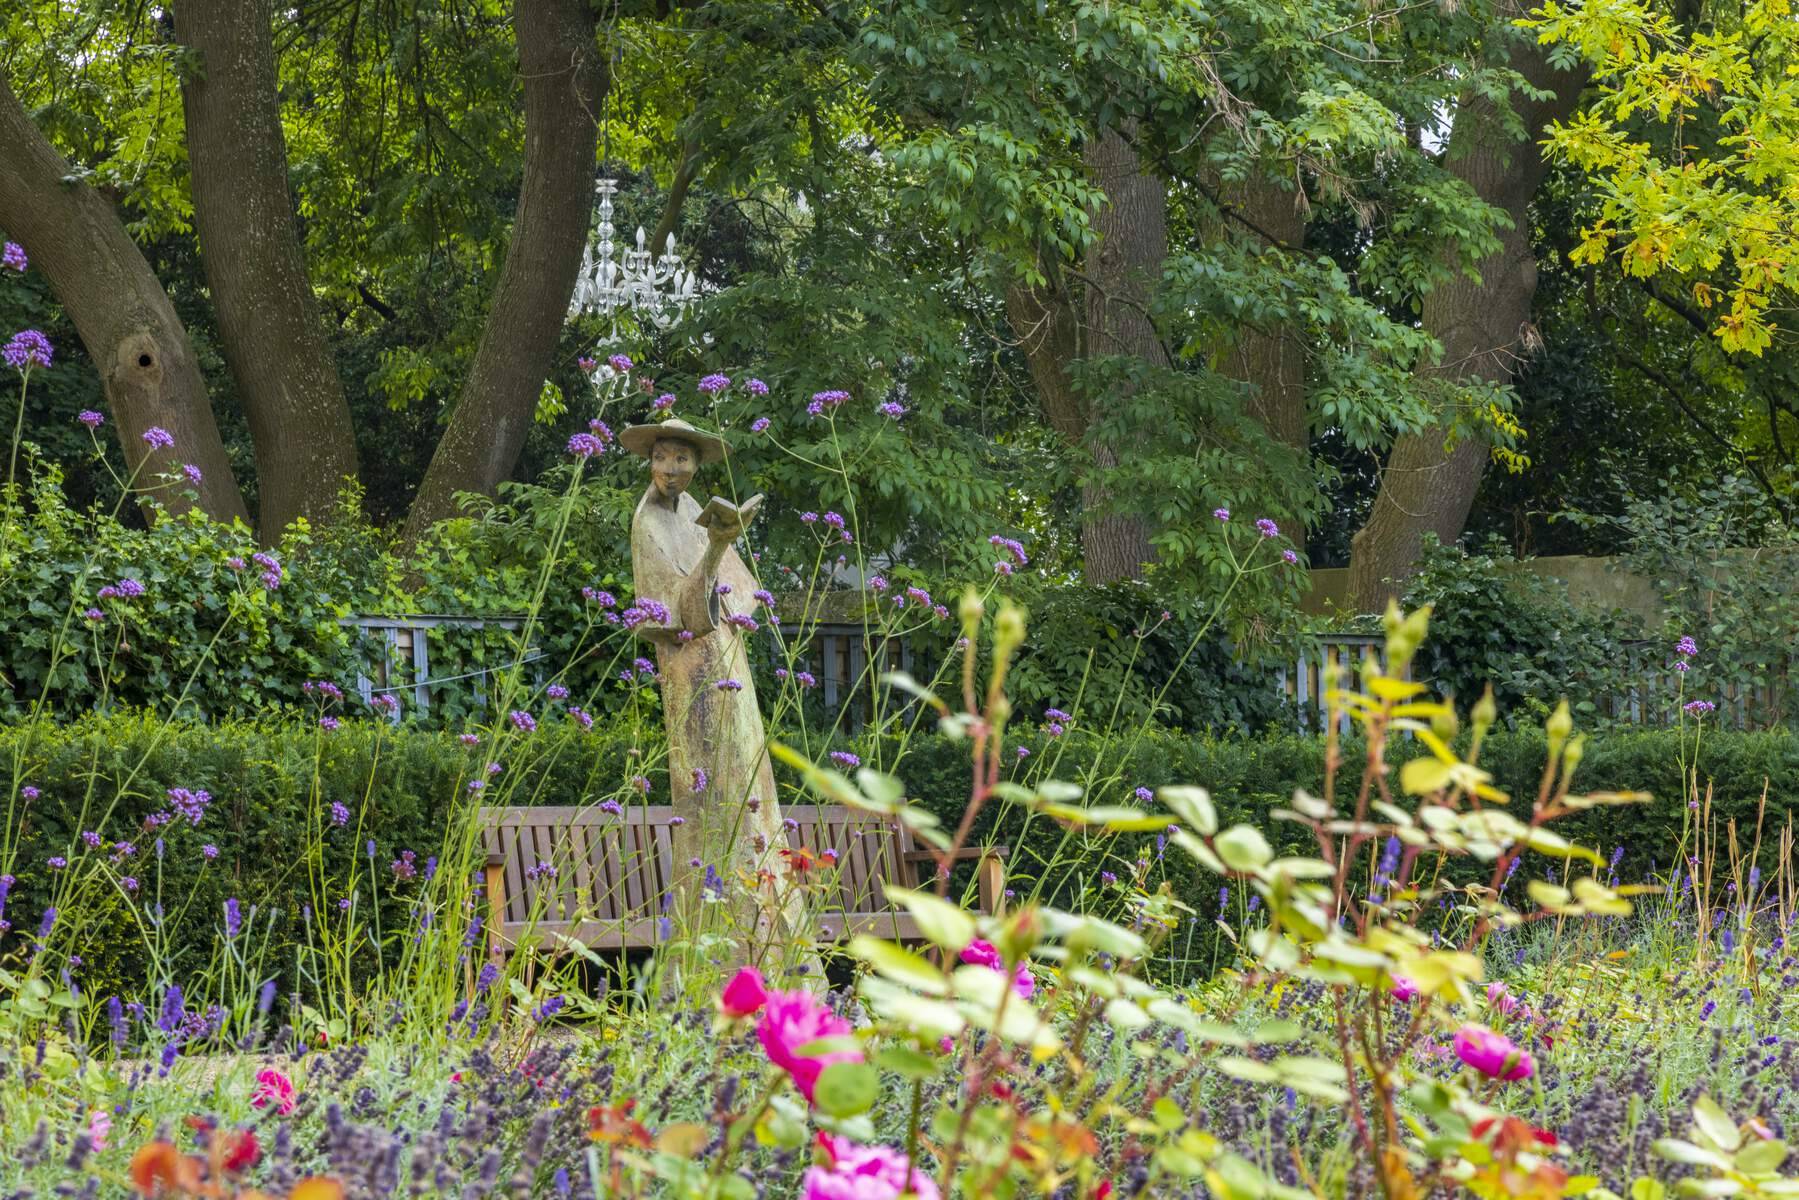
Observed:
{"x":870,"y":852}
{"x":611,"y":872}
{"x":607,"y":866}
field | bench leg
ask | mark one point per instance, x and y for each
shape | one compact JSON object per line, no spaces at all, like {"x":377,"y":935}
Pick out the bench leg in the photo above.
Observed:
{"x":991,"y":877}
{"x":495,"y":876}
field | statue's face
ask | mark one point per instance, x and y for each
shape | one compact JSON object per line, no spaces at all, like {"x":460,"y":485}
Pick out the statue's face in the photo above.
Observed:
{"x":672,"y":464}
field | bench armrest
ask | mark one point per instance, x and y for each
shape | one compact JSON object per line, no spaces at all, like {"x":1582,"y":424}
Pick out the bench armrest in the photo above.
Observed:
{"x":965,"y":854}
{"x":990,"y":870}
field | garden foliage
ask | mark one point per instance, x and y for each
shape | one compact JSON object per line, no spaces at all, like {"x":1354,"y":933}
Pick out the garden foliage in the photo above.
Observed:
{"x":272,"y":784}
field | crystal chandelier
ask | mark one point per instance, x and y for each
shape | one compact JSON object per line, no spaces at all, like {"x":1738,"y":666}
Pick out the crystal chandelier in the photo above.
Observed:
{"x":658,"y":291}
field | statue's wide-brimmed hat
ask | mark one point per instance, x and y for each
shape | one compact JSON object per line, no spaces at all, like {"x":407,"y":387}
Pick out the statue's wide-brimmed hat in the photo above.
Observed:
{"x":639,"y":439}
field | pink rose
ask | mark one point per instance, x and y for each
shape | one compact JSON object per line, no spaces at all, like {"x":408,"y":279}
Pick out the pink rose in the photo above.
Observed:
{"x":744,"y":995}
{"x":793,"y":1020}
{"x":1403,"y":988}
{"x":983,"y":954}
{"x":1500,"y":998}
{"x":865,"y":1173}
{"x":1492,"y":1054}
{"x":986,"y":954}
{"x":272,"y":1087}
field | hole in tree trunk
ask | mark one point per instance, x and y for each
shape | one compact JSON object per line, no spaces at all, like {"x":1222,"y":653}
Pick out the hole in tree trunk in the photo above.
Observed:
{"x":143,"y":360}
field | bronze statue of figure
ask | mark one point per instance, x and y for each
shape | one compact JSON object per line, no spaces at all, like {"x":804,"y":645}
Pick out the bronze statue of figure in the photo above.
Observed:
{"x":721,"y":783}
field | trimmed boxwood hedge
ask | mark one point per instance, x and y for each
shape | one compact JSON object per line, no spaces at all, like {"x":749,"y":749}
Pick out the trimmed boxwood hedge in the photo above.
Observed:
{"x":409,"y":782}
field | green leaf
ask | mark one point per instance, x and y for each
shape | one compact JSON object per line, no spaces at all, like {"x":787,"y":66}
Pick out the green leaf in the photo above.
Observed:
{"x":847,"y":1089}
{"x":1762,"y":1158}
{"x":1715,"y":1124}
{"x":1247,"y":1069}
{"x":899,"y":964}
{"x":1243,"y":848}
{"x":940,"y":921}
{"x":1193,"y":805}
{"x":1422,"y":776}
{"x":907,"y":1062}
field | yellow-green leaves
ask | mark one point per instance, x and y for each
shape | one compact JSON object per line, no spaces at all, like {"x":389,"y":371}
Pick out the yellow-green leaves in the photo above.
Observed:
{"x":938,"y":920}
{"x":1193,"y":806}
{"x":1744,"y":1159}
{"x":1243,"y":848}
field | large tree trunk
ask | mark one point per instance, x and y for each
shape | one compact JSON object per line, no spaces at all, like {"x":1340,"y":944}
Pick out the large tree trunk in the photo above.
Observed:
{"x":564,"y":78}
{"x":1271,"y":360}
{"x":1482,"y":326}
{"x":249,"y":240}
{"x":147,"y":368}
{"x":1058,"y":323}
{"x":1124,"y":269}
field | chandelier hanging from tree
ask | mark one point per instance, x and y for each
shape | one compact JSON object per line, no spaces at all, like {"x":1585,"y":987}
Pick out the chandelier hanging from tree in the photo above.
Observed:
{"x":614,"y":285}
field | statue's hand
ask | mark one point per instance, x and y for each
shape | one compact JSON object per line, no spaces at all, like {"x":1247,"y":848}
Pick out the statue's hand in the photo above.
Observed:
{"x":725,"y":524}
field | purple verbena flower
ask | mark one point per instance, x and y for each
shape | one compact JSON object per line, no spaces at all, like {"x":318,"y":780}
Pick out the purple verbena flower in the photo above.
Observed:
{"x":1267,"y":528}
{"x":14,"y":256}
{"x":27,"y":349}
{"x":585,"y":445}
{"x":713,"y":384}
{"x":91,"y":419}
{"x":158,"y":438}
{"x":1010,"y":546}
{"x":190,"y":805}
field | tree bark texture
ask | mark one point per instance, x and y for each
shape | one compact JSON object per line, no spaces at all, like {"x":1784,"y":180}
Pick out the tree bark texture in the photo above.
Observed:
{"x":1271,"y":361}
{"x":1482,"y":326}
{"x":565,"y":76}
{"x":250,"y":244}
{"x":1108,"y":314}
{"x":146,"y":364}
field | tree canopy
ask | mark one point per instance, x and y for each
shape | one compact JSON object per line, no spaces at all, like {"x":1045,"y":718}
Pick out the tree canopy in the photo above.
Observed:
{"x":1121,"y":263}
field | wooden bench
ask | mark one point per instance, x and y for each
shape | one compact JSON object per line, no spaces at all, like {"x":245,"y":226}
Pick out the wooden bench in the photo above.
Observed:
{"x":607,"y":885}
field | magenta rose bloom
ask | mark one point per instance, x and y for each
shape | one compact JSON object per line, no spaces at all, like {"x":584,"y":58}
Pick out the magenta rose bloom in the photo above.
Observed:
{"x":865,"y":1173}
{"x":792,"y":1020}
{"x":744,"y":995}
{"x":982,"y":953}
{"x":273,"y":1088}
{"x":1493,"y":1054}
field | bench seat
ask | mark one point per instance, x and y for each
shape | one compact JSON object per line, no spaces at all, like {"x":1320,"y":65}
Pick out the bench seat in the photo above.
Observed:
{"x":602,"y":878}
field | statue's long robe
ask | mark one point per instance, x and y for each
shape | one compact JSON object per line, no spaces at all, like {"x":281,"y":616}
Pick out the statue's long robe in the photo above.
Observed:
{"x":733,"y":823}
